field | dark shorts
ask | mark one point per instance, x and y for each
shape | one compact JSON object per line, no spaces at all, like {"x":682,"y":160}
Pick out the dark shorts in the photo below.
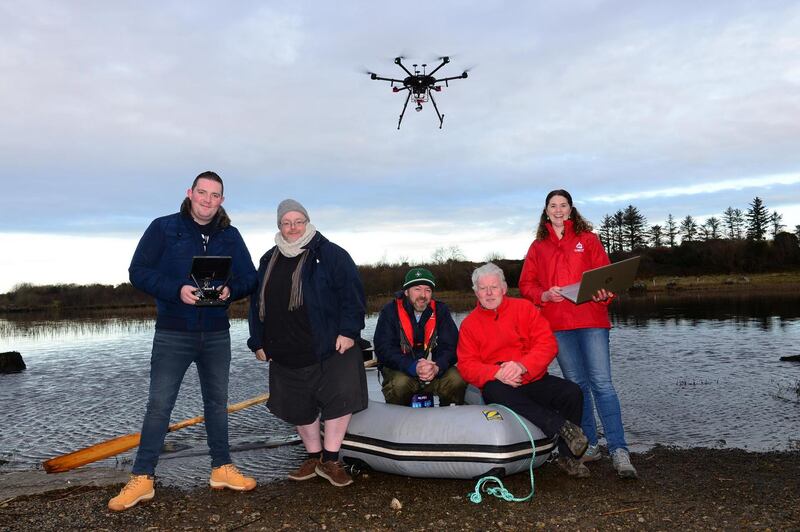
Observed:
{"x":331,"y":389}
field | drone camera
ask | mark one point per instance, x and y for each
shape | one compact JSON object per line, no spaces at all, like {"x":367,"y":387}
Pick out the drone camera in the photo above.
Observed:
{"x":418,"y":108}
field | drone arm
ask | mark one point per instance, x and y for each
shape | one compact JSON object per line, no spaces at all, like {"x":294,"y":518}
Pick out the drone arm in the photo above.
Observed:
{"x":398,"y":61}
{"x":436,"y":108}
{"x":462,"y":76}
{"x":404,"y":110}
{"x":445,"y":60}
{"x":379,"y":78}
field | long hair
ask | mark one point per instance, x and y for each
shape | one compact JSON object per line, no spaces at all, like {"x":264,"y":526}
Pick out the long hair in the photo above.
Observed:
{"x":579,"y":223}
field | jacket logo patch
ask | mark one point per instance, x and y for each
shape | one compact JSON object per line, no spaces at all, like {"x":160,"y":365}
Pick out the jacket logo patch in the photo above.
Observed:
{"x":492,"y":415}
{"x":579,"y":248}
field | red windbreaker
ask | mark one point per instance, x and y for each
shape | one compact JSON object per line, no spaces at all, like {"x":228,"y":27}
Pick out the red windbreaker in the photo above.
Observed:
{"x":515,"y":330}
{"x":554,"y":262}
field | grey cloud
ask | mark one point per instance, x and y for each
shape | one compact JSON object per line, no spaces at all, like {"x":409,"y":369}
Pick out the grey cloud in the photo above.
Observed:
{"x":110,"y":110}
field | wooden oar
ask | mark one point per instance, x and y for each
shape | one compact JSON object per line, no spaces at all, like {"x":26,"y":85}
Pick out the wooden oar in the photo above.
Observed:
{"x":112,"y":447}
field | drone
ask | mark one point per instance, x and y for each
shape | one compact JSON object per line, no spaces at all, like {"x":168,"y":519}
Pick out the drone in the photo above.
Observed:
{"x":420,"y":84}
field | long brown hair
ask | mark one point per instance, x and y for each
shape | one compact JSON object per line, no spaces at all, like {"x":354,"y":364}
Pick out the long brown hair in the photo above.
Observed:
{"x":579,"y":223}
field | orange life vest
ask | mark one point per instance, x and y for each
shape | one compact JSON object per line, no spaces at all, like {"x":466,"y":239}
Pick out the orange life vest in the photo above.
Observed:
{"x":407,"y":336}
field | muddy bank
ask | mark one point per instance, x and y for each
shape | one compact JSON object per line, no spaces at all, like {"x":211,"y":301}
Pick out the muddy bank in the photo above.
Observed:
{"x":697,"y":489}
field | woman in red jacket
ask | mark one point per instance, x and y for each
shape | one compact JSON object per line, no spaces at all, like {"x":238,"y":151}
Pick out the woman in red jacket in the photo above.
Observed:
{"x":564,"y":248}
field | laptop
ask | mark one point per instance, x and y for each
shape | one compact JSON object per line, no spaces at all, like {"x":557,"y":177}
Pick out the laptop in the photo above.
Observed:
{"x":616,"y":278}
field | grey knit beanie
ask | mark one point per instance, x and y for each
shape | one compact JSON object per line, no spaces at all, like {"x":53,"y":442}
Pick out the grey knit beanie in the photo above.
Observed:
{"x":289,"y":205}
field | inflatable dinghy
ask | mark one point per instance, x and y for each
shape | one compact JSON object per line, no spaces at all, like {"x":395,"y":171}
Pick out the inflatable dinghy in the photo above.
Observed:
{"x":467,"y":441}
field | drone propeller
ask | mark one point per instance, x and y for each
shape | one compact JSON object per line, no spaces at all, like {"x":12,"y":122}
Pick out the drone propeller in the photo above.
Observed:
{"x":402,"y":56}
{"x":368,"y":72}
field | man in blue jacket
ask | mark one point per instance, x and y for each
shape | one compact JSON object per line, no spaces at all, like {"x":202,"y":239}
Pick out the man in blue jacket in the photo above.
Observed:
{"x":186,"y":333}
{"x":415,"y":342}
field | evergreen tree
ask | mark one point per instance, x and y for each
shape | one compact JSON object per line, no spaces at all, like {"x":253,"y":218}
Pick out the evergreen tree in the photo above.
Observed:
{"x":703,"y":232}
{"x":688,"y":229}
{"x":633,"y":228}
{"x":710,"y":228}
{"x":618,"y":239}
{"x":757,"y":220}
{"x":733,"y":219}
{"x":656,"y":236}
{"x":797,"y":230}
{"x":672,"y":231}
{"x":606,"y":232}
{"x":775,"y":220}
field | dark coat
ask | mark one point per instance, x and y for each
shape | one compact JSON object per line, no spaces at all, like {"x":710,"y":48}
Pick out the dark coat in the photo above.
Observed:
{"x":162,"y":262}
{"x":388,"y":331}
{"x":332,"y":295}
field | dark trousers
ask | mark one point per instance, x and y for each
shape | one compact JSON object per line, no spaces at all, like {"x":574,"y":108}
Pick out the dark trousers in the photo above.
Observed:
{"x":546,"y":403}
{"x":173,"y":353}
{"x":398,"y":387}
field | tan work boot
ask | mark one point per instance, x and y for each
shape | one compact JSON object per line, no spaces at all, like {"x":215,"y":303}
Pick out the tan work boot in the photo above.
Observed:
{"x":138,"y":488}
{"x":228,"y":476}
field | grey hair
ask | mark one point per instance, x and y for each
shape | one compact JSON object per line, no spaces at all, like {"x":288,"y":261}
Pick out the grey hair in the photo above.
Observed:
{"x":489,"y":268}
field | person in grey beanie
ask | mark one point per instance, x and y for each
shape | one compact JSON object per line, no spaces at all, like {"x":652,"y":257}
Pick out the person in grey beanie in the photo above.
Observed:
{"x":304,"y":320}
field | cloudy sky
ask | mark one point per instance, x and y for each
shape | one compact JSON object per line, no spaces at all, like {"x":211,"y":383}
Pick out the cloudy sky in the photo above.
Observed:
{"x":109,"y":110}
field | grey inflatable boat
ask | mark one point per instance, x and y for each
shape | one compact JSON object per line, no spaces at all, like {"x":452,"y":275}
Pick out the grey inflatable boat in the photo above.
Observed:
{"x":467,"y":441}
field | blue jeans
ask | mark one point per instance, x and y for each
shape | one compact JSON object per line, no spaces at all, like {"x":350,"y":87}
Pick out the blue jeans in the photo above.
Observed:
{"x":173,"y":353}
{"x":584,"y":358}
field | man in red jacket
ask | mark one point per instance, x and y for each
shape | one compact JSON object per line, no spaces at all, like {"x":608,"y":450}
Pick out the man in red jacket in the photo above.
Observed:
{"x":504,"y":349}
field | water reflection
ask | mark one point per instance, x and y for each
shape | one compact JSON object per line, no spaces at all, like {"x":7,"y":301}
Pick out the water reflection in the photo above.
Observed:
{"x":763,"y":311}
{"x":35,"y":330}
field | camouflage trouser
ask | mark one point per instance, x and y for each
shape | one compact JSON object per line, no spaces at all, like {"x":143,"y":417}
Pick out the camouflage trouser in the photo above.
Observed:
{"x":398,"y":387}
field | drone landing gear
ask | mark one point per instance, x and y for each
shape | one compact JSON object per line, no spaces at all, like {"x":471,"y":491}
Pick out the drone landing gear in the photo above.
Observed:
{"x":436,"y":108}
{"x":404,"y":108}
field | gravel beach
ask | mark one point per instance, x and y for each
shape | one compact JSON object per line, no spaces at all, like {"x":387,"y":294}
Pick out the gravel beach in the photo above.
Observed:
{"x":696,"y":489}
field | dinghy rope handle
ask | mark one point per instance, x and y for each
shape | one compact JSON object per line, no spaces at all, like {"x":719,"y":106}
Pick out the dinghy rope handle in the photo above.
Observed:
{"x":500,"y":491}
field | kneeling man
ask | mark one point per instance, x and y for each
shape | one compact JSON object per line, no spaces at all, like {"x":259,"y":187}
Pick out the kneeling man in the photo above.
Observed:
{"x":504,"y":349}
{"x":415,"y":342}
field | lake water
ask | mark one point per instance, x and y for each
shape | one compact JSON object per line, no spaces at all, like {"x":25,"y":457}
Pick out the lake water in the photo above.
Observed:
{"x":688,"y":372}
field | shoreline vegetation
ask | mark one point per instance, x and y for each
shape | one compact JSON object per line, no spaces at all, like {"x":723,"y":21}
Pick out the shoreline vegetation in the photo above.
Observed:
{"x":125,"y":301}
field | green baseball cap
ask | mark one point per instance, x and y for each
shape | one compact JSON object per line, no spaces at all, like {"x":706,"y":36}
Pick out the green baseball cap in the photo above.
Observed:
{"x":417,"y":276}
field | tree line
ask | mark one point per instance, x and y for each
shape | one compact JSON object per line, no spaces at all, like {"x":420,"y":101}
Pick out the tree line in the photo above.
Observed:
{"x":736,"y":242}
{"x":627,"y":229}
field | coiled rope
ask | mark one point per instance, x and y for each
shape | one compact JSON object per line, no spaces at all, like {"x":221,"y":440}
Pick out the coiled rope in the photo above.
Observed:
{"x":500,"y":490}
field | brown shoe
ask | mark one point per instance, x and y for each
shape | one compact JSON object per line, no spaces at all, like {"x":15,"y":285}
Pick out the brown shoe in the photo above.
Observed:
{"x":334,"y":473}
{"x":306,"y":470}
{"x":228,"y":476}
{"x":139,"y":488}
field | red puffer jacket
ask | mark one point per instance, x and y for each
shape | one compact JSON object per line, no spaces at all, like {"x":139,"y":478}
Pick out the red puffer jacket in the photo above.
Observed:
{"x":555,"y":262}
{"x":515,"y":330}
